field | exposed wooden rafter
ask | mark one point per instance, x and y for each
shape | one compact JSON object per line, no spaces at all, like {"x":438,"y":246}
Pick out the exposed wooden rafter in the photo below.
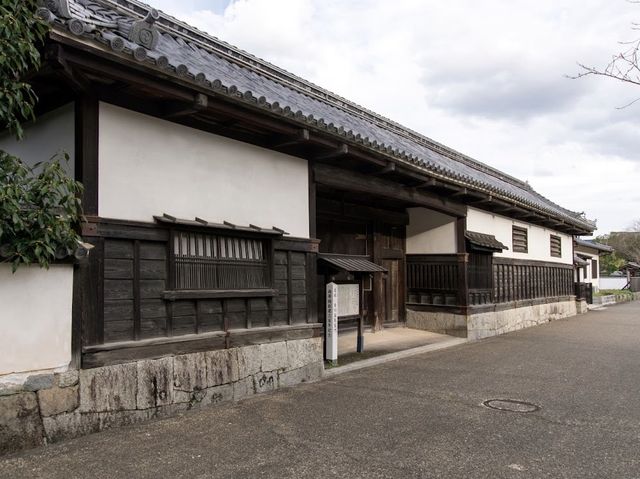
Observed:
{"x":283,"y":141}
{"x":342,"y":150}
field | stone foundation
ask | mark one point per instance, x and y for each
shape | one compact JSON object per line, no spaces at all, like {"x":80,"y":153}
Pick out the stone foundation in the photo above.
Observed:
{"x":48,"y":408}
{"x":491,"y":323}
{"x":438,"y":322}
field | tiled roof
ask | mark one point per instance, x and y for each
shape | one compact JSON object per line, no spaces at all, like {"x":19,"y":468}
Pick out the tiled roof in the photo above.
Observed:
{"x":130,"y":28}
{"x":594,"y":245}
{"x":352,"y":263}
{"x":484,"y":241}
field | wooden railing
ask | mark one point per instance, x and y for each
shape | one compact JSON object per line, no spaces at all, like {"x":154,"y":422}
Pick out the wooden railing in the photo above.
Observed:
{"x":517,"y":280}
{"x":443,"y":280}
{"x":434,"y":279}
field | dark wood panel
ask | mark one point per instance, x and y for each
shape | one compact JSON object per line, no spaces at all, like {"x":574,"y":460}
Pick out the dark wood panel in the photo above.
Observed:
{"x":153,"y":269}
{"x":118,"y":310}
{"x":118,"y":249}
{"x":118,"y":268}
{"x":118,"y":289}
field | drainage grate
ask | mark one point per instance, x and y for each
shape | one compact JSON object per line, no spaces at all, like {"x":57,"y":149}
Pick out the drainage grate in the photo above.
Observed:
{"x":511,"y":405}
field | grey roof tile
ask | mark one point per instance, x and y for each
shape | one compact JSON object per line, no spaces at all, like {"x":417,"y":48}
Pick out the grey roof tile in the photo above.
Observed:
{"x":207,"y":60}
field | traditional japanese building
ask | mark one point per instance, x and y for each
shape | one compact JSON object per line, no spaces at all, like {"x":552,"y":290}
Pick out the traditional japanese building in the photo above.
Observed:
{"x":221,"y":193}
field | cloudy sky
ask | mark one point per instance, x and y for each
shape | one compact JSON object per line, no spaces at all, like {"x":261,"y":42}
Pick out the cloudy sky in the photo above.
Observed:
{"x":486,"y":78}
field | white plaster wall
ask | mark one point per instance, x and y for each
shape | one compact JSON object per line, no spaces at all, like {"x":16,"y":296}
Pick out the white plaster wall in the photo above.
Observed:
{"x":430,"y":232}
{"x":149,"y":166}
{"x":35,"y":318}
{"x":613,"y":282}
{"x":589,"y":256}
{"x":51,"y":133}
{"x":538,"y":237}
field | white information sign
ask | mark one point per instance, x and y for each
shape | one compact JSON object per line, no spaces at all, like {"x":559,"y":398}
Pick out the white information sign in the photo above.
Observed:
{"x":348,"y":300}
{"x":331,"y":339}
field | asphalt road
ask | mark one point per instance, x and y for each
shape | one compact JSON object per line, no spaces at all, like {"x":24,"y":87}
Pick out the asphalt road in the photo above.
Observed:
{"x":416,"y":417}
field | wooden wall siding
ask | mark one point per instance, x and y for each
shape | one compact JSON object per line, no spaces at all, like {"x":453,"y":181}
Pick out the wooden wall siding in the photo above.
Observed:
{"x":521,"y":280}
{"x":125,"y":296}
{"x":432,"y":279}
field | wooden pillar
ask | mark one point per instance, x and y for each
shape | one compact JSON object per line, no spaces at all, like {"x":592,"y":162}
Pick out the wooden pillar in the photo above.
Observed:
{"x":87,"y":311}
{"x":463,"y":262}
{"x":379,"y":290}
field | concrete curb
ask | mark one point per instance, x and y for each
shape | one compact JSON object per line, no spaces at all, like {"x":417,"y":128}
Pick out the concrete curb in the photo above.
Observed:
{"x":393,"y":356}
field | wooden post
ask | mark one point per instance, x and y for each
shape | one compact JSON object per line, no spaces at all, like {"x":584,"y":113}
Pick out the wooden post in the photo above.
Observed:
{"x":463,"y":262}
{"x":379,"y":295}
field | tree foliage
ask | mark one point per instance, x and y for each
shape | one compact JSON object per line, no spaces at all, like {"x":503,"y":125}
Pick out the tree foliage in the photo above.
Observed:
{"x":39,"y":210}
{"x":624,"y":66}
{"x":20,"y":35}
{"x":40,"y":206}
{"x":626,"y":245}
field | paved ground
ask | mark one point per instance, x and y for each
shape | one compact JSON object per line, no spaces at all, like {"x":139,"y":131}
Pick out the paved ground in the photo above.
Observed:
{"x":416,"y":417}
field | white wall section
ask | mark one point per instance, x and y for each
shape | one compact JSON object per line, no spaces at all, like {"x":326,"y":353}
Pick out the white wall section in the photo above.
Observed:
{"x":539,"y":242}
{"x":35,"y":318}
{"x":149,"y":166}
{"x":430,"y":232}
{"x":51,"y":133}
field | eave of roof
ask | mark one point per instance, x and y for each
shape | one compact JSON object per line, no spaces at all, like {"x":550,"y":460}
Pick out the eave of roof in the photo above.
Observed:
{"x":593,"y":245}
{"x":209,"y":63}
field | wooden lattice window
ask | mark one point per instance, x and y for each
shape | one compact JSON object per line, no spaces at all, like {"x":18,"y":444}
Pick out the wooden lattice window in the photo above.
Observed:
{"x":520,"y":240}
{"x":204,"y":261}
{"x":556,"y":246}
{"x":594,"y":268}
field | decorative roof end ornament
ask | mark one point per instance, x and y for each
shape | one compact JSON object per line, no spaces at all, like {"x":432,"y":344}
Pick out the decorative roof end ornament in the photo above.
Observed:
{"x":144,"y":33}
{"x":58,"y":7}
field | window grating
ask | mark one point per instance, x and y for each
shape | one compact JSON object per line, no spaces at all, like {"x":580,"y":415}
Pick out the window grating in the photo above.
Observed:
{"x":208,"y":261}
{"x":594,"y":268}
{"x":520,"y":240}
{"x":556,"y":246}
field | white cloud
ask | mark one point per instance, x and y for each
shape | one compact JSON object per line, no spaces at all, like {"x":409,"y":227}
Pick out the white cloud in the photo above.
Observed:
{"x":486,"y":78}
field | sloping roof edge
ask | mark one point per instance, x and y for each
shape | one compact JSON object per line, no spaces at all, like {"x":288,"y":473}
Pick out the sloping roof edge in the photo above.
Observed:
{"x":96,"y":28}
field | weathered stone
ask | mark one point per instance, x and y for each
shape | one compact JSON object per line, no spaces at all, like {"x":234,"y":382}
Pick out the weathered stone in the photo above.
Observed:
{"x":58,"y":400}
{"x":308,"y":373}
{"x":222,"y":367}
{"x":68,"y":378}
{"x":210,"y":396}
{"x":38,"y":381}
{"x":155,"y":383}
{"x":264,"y":382}
{"x":302,"y":352}
{"x":274,"y":356}
{"x":20,"y":423}
{"x":110,"y":388}
{"x":249,"y":361}
{"x":190,"y":372}
{"x":243,"y":388}
{"x":10,"y":389}
{"x":70,"y":425}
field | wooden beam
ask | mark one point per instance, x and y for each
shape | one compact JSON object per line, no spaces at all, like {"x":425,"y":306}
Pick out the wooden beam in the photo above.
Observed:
{"x":336,"y":153}
{"x":342,"y":179}
{"x":176,"y":109}
{"x":301,"y":136}
{"x":462,"y":192}
{"x":86,"y":150}
{"x":388,"y":168}
{"x":430,"y":183}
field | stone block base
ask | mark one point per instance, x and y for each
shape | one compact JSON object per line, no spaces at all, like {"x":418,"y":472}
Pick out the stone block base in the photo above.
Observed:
{"x":74,"y":403}
{"x":491,"y":323}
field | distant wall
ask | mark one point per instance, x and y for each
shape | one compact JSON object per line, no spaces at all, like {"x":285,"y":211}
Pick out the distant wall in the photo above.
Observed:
{"x":538,"y":237}
{"x":51,"y":133}
{"x":149,"y":166}
{"x":430,"y":232}
{"x":613,"y":282}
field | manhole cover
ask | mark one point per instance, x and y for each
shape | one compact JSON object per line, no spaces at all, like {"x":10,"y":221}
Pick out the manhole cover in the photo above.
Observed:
{"x":510,"y":405}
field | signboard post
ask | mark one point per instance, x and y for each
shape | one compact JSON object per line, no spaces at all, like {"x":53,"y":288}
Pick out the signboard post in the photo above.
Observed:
{"x":331,"y":339}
